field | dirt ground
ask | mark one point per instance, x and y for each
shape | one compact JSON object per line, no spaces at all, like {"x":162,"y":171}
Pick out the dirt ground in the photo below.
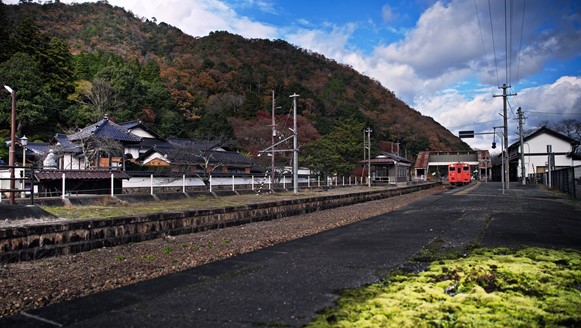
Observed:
{"x":28,"y":285}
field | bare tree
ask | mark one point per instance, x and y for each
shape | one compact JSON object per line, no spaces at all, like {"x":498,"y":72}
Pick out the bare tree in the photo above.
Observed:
{"x":202,"y":158}
{"x":103,"y":98}
{"x":97,"y":98}
{"x":568,"y":127}
{"x":95,"y":148}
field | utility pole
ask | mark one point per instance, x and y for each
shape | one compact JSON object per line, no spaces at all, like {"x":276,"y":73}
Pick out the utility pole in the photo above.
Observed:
{"x":272,"y":176}
{"x":368,"y":147}
{"x":295,"y":146}
{"x":12,"y":142}
{"x":504,"y":95}
{"x":522,"y":146}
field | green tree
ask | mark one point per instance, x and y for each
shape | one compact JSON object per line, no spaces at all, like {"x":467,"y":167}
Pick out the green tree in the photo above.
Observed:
{"x":33,"y":100}
{"x":6,"y":45}
{"x":128,"y":89}
{"x":57,"y":69}
{"x":337,"y":152}
{"x":252,"y":104}
{"x":214,"y":125}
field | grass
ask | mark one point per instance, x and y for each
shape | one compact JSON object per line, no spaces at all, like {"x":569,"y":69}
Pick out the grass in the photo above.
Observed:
{"x":112,"y":209}
{"x":530,"y":287}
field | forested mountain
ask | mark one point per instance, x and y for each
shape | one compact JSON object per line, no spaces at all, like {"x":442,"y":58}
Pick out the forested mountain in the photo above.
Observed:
{"x":72,"y":64}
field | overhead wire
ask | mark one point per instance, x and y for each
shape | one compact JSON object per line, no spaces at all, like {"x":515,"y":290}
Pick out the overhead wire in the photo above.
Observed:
{"x":488,"y":71}
{"x":506,"y":45}
{"x":519,"y":53}
{"x":493,"y":43}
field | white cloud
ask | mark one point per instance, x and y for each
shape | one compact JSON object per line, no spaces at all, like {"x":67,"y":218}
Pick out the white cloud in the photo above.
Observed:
{"x":197,"y":17}
{"x":455,"y":111}
{"x":443,"y":39}
{"x":200,"y":17}
{"x":553,"y":102}
{"x":331,"y":42}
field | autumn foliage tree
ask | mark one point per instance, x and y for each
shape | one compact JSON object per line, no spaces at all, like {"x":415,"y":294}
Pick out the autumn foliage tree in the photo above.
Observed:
{"x":191,"y":87}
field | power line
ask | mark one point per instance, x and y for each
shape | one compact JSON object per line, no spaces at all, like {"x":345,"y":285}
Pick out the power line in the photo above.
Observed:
{"x":506,"y":74}
{"x":493,"y":45}
{"x":483,"y":44}
{"x":471,"y":124}
{"x":556,"y":113}
{"x":521,"y":37}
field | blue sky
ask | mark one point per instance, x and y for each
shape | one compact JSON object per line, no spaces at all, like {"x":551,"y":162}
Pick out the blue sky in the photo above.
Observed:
{"x":440,"y":57}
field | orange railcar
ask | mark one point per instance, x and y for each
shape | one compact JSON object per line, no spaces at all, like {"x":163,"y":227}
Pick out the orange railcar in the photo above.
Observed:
{"x":459,"y":173}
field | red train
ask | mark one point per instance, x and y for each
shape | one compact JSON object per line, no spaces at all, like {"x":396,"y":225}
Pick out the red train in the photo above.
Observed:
{"x":459,"y":173}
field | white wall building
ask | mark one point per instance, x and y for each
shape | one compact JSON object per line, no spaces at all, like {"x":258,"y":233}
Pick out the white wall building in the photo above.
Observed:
{"x":536,"y":153}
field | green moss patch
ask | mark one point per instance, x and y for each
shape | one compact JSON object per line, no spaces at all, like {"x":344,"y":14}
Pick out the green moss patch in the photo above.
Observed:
{"x":530,"y":287}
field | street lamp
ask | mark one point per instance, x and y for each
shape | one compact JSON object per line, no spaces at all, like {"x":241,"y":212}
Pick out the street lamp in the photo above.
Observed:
{"x":11,"y":153}
{"x":24,"y":143}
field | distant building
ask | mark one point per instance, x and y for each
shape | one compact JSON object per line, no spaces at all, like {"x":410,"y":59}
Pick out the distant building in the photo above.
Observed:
{"x":564,"y":150}
{"x":93,"y":156}
{"x":388,"y":167}
{"x":432,"y":165}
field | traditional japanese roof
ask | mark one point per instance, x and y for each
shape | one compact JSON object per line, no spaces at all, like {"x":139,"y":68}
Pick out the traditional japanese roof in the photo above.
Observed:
{"x":106,"y":129}
{"x":195,"y":144}
{"x":79,"y":175}
{"x":181,"y":154}
{"x":38,"y":147}
{"x":65,"y":144}
{"x":132,"y":125}
{"x":231,"y":158}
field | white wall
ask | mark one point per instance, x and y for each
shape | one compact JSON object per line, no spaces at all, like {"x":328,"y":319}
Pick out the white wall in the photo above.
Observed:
{"x":535,"y":151}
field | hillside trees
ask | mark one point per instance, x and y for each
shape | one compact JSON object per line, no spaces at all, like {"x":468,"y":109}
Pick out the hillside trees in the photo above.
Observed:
{"x":195,"y":87}
{"x":39,"y":69}
{"x":337,"y":152}
{"x":33,"y":99}
{"x":125,"y":90}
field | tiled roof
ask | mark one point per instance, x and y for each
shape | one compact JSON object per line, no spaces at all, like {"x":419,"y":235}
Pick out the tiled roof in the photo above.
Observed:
{"x":230,"y":158}
{"x":65,"y":143}
{"x":79,"y":175}
{"x":38,"y":147}
{"x":194,"y":144}
{"x":131,"y":125}
{"x":106,"y":129}
{"x":147,"y":143}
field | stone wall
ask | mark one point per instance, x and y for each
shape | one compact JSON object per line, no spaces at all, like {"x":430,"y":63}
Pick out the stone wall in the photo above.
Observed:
{"x":72,"y":236}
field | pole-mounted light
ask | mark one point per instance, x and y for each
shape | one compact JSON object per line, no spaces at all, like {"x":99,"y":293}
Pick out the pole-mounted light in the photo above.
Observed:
{"x":12,"y":137}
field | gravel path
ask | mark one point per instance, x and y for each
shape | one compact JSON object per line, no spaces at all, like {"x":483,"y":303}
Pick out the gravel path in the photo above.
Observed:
{"x":28,"y":285}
